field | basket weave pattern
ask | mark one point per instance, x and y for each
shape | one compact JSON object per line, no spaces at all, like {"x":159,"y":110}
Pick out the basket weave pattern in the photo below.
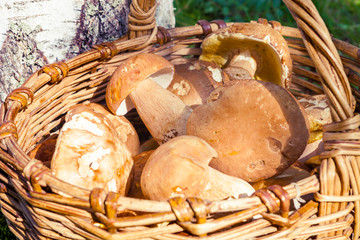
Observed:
{"x":35,"y":110}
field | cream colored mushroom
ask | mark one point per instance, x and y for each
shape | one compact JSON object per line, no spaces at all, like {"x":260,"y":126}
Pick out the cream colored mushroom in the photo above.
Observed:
{"x":250,"y":51}
{"x":123,"y":126}
{"x":179,"y":167}
{"x":89,"y":152}
{"x":163,"y":113}
{"x":257,"y":128}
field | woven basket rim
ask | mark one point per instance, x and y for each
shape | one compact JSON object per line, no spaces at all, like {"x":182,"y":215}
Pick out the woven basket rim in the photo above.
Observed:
{"x":16,"y":161}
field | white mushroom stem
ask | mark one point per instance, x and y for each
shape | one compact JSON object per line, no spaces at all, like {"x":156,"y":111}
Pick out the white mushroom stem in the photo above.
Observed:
{"x":246,"y":60}
{"x":163,"y":113}
{"x":236,"y":186}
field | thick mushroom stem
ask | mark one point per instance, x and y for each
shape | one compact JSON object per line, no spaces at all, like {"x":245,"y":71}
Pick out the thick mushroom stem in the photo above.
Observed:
{"x":163,"y":113}
{"x":246,"y":60}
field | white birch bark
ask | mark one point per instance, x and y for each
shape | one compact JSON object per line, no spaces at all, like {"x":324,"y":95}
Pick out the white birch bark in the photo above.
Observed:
{"x":36,"y":32}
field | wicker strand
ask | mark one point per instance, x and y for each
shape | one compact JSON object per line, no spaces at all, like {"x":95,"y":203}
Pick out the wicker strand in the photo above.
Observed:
{"x":141,"y":21}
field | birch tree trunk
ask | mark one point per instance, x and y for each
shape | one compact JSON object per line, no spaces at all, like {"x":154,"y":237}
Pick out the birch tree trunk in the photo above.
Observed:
{"x":37,"y":32}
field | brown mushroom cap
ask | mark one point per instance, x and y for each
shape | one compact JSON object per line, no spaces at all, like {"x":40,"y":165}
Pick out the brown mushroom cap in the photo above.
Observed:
{"x":195,"y":80}
{"x":179,"y":167}
{"x":133,"y":71}
{"x":90,"y":154}
{"x":259,"y":43}
{"x":257,"y":128}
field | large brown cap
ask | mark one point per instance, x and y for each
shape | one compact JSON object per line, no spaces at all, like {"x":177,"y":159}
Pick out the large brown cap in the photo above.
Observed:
{"x":267,"y":47}
{"x":257,"y":128}
{"x":133,"y":71}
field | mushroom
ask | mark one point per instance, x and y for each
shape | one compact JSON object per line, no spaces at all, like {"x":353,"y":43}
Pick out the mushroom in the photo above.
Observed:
{"x":195,"y":80}
{"x":139,"y":164}
{"x":318,"y":113}
{"x":44,"y":150}
{"x":257,"y":128}
{"x":250,"y":51}
{"x":123,"y":126}
{"x":144,"y":78}
{"x":179,"y":167}
{"x":89,"y":152}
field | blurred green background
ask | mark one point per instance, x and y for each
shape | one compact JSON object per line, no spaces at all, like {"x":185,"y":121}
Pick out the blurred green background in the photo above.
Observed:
{"x":342,"y":17}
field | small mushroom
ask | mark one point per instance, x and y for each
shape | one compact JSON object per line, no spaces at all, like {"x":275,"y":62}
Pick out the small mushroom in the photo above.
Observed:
{"x":144,"y":78}
{"x":250,"y":51}
{"x":179,"y":167}
{"x":195,"y":80}
{"x":257,"y":128}
{"x":89,"y":152}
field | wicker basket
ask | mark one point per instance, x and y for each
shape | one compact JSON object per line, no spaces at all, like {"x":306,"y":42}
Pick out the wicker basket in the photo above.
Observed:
{"x":33,"y":111}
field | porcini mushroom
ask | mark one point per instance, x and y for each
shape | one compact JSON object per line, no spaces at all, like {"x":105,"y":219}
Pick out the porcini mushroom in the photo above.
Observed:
{"x":144,"y":78}
{"x":250,"y":50}
{"x":257,"y":128}
{"x":89,"y":153}
{"x":195,"y":80}
{"x":130,"y":74}
{"x":179,"y":167}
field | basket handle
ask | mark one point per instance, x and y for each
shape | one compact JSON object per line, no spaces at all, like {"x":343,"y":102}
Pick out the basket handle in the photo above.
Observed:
{"x":337,"y":168}
{"x":141,"y":20}
{"x":323,"y":52}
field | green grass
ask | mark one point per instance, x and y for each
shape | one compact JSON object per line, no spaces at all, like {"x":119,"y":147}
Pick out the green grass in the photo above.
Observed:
{"x":342,"y":17}
{"x":5,"y":233}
